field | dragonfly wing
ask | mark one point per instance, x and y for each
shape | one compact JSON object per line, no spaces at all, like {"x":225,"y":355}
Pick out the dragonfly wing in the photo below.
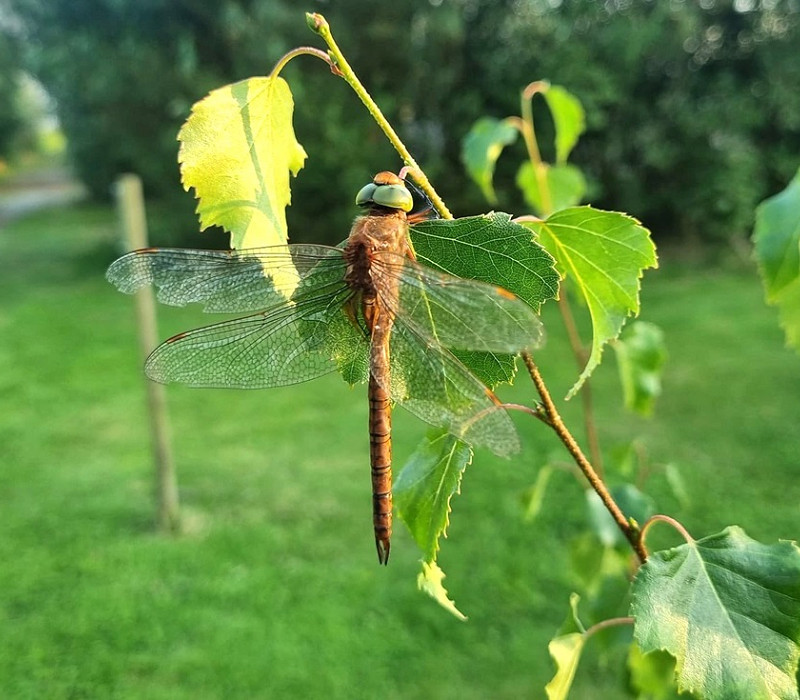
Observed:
{"x":458,"y":313}
{"x":431,"y":383}
{"x":237,"y":281}
{"x":286,"y":344}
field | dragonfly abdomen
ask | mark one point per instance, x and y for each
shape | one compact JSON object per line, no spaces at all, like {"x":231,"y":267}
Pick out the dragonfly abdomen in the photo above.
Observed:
{"x":380,"y":452}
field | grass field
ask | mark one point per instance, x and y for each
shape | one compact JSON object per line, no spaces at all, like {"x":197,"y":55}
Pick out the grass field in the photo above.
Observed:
{"x":273,"y":590}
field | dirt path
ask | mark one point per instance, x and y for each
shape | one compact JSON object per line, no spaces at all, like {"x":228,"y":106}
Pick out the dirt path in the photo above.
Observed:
{"x":29,"y":193}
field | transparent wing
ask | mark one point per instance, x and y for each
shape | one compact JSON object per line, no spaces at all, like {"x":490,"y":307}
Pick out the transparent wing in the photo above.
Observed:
{"x":228,"y":281}
{"x":286,"y":344}
{"x":457,"y":313}
{"x":431,"y":383}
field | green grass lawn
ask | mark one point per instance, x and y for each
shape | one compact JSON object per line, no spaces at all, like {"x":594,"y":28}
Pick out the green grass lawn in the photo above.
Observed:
{"x":274,"y":591}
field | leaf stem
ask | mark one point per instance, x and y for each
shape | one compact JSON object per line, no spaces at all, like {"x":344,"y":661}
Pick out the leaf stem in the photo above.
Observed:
{"x":605,"y":624}
{"x":537,"y":412}
{"x":670,"y":521}
{"x":302,"y":51}
{"x":628,"y":528}
{"x":318,"y":24}
{"x":531,"y":144}
{"x":579,"y":351}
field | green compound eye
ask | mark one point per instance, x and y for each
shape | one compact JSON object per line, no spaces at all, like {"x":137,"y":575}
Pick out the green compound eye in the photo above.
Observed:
{"x":392,"y":196}
{"x":364,"y":196}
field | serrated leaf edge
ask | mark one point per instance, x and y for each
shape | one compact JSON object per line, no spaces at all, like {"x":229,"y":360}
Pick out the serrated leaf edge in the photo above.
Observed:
{"x":590,"y":365}
{"x":455,"y":492}
{"x":679,"y":663}
{"x":431,"y":572}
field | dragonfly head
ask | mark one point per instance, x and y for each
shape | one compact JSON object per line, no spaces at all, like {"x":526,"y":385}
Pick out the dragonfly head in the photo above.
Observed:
{"x":386,"y":190}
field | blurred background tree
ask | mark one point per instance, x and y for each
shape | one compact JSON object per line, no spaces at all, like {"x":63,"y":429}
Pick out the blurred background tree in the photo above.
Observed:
{"x":693,"y":107}
{"x":12,"y":122}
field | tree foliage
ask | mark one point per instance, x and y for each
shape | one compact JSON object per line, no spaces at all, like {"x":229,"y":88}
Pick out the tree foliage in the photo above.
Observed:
{"x":11,"y":120}
{"x":724,"y":606}
{"x":692,"y":108}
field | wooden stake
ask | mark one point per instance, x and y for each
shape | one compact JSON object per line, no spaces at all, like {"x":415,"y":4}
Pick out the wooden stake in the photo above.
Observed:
{"x":130,"y":204}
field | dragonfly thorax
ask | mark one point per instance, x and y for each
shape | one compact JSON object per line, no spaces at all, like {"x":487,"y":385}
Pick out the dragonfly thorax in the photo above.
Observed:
{"x":375,"y":238}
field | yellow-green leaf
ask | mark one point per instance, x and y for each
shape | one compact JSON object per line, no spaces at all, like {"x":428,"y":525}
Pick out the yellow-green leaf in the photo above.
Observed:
{"x":604,"y":253}
{"x":237,"y":151}
{"x":430,"y":580}
{"x":569,"y":119}
{"x":565,"y":650}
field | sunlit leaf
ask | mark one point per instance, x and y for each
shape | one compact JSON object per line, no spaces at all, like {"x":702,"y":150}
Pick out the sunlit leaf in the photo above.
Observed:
{"x":550,"y":188}
{"x":425,"y":485}
{"x":728,"y":609}
{"x":604,"y":254}
{"x":237,"y":150}
{"x":565,"y":650}
{"x":777,"y":250}
{"x":482,"y":147}
{"x":490,"y":248}
{"x":430,"y":580}
{"x":641,"y":354}
{"x":568,"y":117}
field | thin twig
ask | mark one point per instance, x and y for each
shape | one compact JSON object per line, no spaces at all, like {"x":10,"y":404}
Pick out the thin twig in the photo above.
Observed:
{"x":318,"y":24}
{"x":630,"y":531}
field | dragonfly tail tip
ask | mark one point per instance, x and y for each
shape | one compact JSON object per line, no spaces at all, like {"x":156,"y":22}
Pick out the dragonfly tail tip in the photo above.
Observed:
{"x":383,"y":551}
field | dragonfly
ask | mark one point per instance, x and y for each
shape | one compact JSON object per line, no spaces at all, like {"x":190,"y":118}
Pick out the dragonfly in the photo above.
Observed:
{"x":366,"y":308}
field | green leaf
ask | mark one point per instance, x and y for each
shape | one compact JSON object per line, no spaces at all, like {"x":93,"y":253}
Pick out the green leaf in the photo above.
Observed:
{"x":429,"y":580}
{"x":624,"y":459}
{"x":425,"y":485}
{"x":568,"y":117}
{"x":492,"y":369}
{"x":604,"y":254}
{"x":641,"y":354}
{"x":563,"y":185}
{"x":237,"y":150}
{"x":653,"y":674}
{"x":728,"y":609}
{"x":632,"y":501}
{"x":533,"y":497}
{"x":493,"y":249}
{"x":777,"y":250}
{"x":565,"y":650}
{"x":677,"y":484}
{"x":482,"y":147}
